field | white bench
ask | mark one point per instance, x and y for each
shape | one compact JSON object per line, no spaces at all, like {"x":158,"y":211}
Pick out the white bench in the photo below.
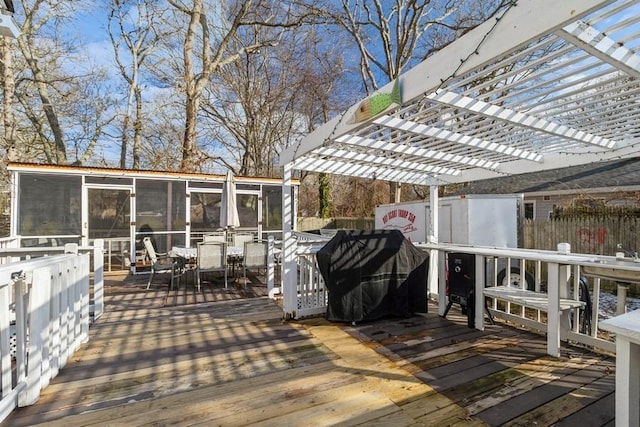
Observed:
{"x":557,"y":324}
{"x":530,"y":299}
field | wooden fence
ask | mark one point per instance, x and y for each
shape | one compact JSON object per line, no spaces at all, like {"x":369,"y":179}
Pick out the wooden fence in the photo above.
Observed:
{"x":311,"y":223}
{"x":588,"y":235}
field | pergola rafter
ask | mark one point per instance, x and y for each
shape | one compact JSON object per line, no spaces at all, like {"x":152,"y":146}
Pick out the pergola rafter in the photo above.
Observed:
{"x":517,"y":118}
{"x":604,"y":48}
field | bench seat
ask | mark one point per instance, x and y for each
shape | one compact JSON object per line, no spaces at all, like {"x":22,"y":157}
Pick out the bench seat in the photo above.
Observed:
{"x":531,"y":299}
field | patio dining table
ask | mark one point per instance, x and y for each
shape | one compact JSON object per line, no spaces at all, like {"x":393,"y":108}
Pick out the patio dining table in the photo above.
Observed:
{"x":189,"y":255}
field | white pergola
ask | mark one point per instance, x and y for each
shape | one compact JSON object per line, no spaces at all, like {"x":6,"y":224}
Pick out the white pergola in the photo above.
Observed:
{"x":548,"y":84}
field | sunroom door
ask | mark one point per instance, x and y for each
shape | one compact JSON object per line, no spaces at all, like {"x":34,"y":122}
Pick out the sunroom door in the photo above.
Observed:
{"x":107,"y":215}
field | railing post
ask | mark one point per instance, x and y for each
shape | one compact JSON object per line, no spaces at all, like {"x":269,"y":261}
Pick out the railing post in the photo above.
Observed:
{"x":5,"y":333}
{"x":479,"y":293}
{"x":39,"y":336}
{"x":553,"y":313}
{"x":439,"y":275}
{"x":56,"y":329}
{"x":270,"y":264}
{"x":82,"y":269}
{"x":98,"y":278}
{"x":21,"y":326}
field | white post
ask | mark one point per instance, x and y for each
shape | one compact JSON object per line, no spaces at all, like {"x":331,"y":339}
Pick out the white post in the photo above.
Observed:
{"x":39,"y":336}
{"x":270,"y":264}
{"x":56,"y":340}
{"x":21,"y":290}
{"x":5,"y":355}
{"x":479,"y":293}
{"x":289,"y":269}
{"x":553,"y":312}
{"x":435,"y":287}
{"x":98,"y":278}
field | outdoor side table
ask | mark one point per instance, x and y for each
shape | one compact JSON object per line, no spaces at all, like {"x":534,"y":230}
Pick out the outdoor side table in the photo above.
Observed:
{"x":627,"y":330}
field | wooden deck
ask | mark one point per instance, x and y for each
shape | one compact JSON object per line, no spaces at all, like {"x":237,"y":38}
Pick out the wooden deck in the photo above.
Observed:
{"x":226,"y":357}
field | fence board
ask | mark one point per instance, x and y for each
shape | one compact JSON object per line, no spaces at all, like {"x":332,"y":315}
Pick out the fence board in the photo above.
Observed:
{"x":596,"y":235}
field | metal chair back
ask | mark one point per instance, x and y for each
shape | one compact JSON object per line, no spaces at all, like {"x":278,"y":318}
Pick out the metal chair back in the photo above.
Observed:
{"x":212,"y":257}
{"x":220,"y":237}
{"x":160,"y":263}
{"x":254,"y":256}
{"x":239,"y":239}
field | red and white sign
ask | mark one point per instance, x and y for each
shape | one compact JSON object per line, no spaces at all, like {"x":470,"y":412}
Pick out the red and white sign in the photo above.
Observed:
{"x":409,"y":219}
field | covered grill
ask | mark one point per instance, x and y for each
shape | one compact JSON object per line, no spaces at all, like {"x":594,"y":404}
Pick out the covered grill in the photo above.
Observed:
{"x":371,"y":274}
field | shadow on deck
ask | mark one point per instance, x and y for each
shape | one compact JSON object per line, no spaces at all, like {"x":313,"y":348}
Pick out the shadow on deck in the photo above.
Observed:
{"x":226,"y":357}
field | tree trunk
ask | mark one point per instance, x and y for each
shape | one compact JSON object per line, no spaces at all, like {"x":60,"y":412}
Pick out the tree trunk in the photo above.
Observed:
{"x":190,"y":134}
{"x":137,"y":131}
{"x":324,"y":190}
{"x":9,"y":89}
{"x":124,"y":142}
{"x":60,"y":153}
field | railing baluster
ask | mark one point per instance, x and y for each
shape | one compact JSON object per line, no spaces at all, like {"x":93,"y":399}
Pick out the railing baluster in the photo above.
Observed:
{"x":5,"y":333}
{"x":21,"y":289}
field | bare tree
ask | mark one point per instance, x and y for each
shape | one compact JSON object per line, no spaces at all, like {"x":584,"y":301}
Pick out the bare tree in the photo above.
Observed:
{"x":57,"y":105}
{"x":259,"y":104}
{"x":134,"y":30}
{"x":209,"y":45}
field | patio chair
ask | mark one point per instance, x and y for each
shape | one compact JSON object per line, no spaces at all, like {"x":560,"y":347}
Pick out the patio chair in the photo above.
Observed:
{"x":240,"y":238}
{"x":220,"y":237}
{"x":254,"y":257}
{"x":212,"y":257}
{"x":161,"y":263}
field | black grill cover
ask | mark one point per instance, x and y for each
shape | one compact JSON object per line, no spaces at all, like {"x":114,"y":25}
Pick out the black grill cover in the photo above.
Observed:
{"x":371,"y":274}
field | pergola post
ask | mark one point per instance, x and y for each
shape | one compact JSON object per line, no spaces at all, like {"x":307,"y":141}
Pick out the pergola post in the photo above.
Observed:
{"x":289,"y":285}
{"x":433,"y":282}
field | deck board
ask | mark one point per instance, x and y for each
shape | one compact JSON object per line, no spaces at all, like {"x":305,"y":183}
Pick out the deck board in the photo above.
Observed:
{"x":226,"y":357}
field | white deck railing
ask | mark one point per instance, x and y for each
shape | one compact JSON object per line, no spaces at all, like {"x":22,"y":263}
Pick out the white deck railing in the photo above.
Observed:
{"x":557,"y":275}
{"x":43,"y":320}
{"x":12,"y":253}
{"x":46,"y":310}
{"x":311,"y":295}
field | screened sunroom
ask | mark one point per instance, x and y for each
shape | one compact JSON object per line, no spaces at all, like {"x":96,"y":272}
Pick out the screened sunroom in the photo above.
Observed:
{"x":54,"y":205}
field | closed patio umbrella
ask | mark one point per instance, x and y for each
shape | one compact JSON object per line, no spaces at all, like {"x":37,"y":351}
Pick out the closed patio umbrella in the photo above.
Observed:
{"x":229,"y":217}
